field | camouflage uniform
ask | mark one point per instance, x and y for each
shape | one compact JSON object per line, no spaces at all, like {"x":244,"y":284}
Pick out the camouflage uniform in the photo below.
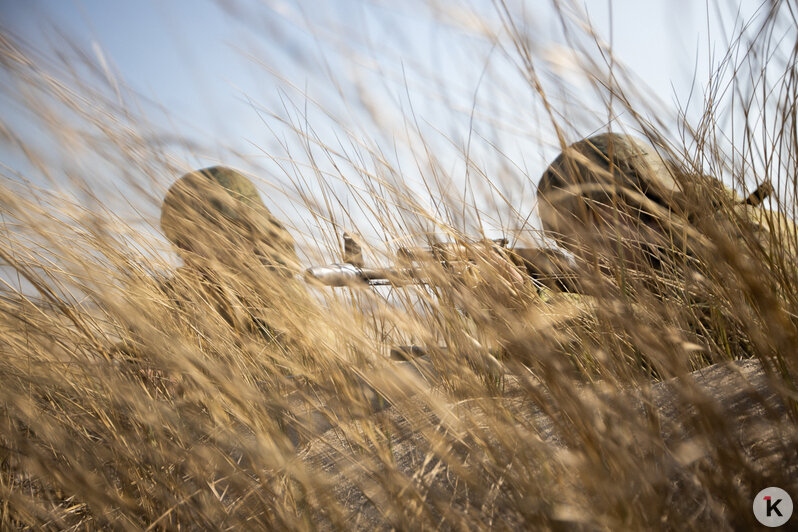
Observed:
{"x":208,"y":212}
{"x":614,"y":202}
{"x":613,"y":190}
{"x":601,"y":177}
{"x":222,"y":231}
{"x":238,"y":259}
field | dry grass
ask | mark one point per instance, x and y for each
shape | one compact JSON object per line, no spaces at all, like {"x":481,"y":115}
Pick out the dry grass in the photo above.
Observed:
{"x":126,"y":406}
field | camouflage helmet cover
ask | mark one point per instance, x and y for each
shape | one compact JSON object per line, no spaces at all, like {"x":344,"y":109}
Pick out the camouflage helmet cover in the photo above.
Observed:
{"x":222,"y":201}
{"x":604,"y":170}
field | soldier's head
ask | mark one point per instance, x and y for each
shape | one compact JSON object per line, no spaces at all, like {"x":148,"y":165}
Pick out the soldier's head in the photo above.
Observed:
{"x":216,"y":214}
{"x":608,"y":194}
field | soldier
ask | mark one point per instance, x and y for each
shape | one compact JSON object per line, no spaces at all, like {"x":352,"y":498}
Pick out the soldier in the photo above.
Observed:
{"x":239,"y":262}
{"x":612,"y":197}
{"x":226,"y":237}
{"x":615,"y":204}
{"x":606,"y":181}
{"x":208,"y":208}
{"x":242,"y":260}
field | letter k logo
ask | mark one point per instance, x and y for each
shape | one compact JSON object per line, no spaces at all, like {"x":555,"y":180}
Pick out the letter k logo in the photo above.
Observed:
{"x":772,"y":506}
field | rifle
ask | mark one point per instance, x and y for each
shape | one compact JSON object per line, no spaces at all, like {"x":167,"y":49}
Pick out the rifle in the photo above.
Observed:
{"x":548,"y":267}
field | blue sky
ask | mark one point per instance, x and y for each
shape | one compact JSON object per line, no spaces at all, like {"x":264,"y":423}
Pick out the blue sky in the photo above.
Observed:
{"x":207,"y":71}
{"x":189,"y":55}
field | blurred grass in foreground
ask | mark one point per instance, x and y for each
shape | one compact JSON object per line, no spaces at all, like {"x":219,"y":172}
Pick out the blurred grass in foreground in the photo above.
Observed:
{"x":123,"y":408}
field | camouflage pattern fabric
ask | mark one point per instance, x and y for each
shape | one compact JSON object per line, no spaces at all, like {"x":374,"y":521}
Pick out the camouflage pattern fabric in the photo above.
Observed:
{"x":610,"y":178}
{"x":607,"y":171}
{"x":224,"y":233}
{"x":614,"y":191}
{"x":216,"y":211}
{"x":221,"y":228}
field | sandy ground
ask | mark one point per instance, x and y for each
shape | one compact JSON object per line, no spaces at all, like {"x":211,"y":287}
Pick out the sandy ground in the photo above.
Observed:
{"x":739,"y":391}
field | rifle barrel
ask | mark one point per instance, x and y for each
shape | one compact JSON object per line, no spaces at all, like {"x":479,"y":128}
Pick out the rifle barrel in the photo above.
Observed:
{"x":547,"y":266}
{"x":350,"y":275}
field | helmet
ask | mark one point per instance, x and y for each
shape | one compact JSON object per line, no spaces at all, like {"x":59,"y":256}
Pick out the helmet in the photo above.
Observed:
{"x":216,"y":210}
{"x":597,"y":178}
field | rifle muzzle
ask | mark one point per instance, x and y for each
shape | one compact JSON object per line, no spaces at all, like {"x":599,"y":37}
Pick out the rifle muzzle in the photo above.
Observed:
{"x":337,"y":274}
{"x":351,"y":275}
